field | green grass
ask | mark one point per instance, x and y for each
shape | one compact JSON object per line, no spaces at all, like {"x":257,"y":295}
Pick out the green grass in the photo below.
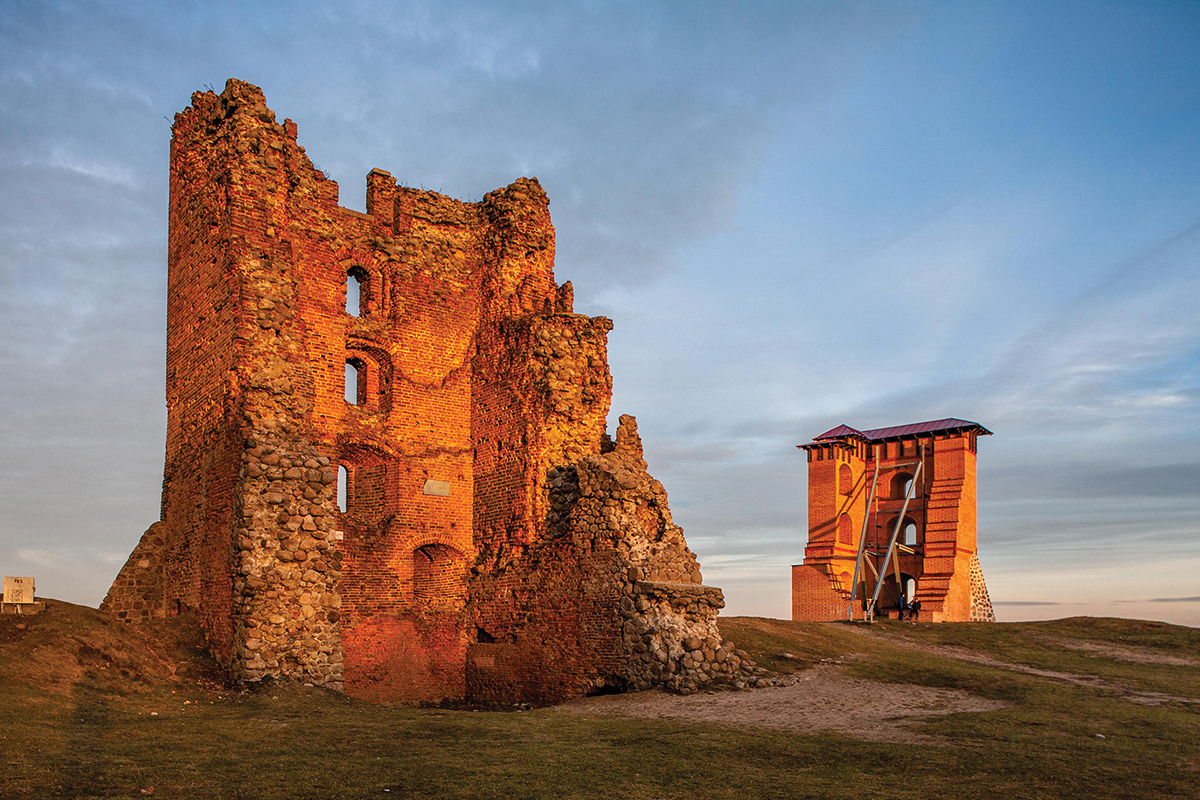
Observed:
{"x":1057,"y":645}
{"x":77,"y":727}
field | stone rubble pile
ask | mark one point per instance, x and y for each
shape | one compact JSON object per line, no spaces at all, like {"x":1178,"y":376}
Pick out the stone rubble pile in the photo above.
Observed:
{"x":668,"y":618}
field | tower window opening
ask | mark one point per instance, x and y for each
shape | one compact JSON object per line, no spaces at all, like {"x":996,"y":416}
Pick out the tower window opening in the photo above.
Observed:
{"x":342,"y":487}
{"x":357,"y":294}
{"x":356,"y":382}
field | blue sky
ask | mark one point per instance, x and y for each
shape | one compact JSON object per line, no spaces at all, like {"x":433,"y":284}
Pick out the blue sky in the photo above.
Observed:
{"x":797,"y":215}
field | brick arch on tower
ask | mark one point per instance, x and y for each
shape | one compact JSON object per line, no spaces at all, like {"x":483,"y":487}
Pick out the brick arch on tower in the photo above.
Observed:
{"x":898,"y":483}
{"x":888,"y":522}
{"x":369,"y":474}
{"x":845,"y":529}
{"x":375,"y":377}
{"x":439,"y":577}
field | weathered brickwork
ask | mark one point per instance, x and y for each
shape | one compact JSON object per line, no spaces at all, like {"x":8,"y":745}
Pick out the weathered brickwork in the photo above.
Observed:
{"x":937,"y":556}
{"x":493,"y":542}
{"x":611,"y":597}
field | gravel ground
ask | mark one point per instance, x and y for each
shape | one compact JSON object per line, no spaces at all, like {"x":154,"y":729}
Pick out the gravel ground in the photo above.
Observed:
{"x":824,"y":698}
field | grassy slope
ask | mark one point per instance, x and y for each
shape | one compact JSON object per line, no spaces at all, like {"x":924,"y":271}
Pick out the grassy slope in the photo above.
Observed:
{"x":77,"y":693}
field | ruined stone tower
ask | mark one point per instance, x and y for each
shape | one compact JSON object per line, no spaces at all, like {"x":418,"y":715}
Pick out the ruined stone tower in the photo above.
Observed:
{"x":861,"y":484}
{"x":493,"y":542}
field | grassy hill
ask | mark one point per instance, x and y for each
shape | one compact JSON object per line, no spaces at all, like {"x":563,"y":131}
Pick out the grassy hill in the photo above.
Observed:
{"x":94,"y":708}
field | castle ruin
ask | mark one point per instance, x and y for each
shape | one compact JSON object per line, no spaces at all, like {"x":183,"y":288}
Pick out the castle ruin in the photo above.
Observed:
{"x":409,"y":496}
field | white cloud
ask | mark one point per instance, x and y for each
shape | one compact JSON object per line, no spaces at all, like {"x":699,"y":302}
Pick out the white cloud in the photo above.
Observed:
{"x":63,"y":157}
{"x":41,"y":558}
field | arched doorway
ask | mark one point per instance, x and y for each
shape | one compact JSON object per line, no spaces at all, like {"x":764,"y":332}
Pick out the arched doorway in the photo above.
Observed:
{"x":890,"y":594}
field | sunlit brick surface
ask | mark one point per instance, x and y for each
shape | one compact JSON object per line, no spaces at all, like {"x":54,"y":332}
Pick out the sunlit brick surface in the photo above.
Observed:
{"x":492,"y":544}
{"x":938,"y":527}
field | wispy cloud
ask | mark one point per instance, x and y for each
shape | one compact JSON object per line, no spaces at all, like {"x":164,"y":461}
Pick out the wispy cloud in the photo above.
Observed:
{"x":1023,"y":603}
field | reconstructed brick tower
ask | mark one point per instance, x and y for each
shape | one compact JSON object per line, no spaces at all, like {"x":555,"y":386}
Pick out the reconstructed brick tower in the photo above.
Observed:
{"x":494,"y":544}
{"x":859,"y":485}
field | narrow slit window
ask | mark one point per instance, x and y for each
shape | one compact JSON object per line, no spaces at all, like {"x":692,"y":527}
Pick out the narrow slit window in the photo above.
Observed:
{"x":354,"y":295}
{"x":353,"y":379}
{"x":342,"y":485}
{"x":358,"y":292}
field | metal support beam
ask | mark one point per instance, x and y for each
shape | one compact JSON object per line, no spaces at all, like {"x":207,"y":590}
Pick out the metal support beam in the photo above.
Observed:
{"x":912,"y":487}
{"x":862,"y":541}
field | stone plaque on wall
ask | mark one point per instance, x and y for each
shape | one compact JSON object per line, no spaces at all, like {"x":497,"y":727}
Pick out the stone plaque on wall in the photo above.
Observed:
{"x":437,"y":488}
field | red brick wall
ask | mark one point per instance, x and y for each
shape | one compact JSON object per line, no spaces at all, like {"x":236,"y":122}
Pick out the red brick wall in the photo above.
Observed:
{"x":478,"y":385}
{"x":943,"y":511}
{"x":814,"y":598}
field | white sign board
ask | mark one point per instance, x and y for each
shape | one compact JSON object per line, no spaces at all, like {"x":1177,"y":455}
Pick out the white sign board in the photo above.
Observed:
{"x":18,"y":590}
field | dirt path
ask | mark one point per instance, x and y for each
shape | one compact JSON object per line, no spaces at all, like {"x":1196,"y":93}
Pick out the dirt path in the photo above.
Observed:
{"x":824,"y":698}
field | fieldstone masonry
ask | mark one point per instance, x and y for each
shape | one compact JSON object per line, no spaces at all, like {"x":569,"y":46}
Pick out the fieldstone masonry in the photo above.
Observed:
{"x":137,"y":593}
{"x":981,"y":601}
{"x":494,"y":543}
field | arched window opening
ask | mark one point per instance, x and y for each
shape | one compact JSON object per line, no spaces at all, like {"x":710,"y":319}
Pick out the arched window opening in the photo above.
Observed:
{"x":845,"y":479}
{"x":356,"y":382}
{"x":357,"y":292}
{"x":439,"y":576}
{"x":343,"y":486}
{"x":909,"y":533}
{"x":900,"y":484}
{"x":845,"y":528}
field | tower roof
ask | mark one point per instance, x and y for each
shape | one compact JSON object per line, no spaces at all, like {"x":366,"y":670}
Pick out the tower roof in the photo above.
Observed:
{"x":911,"y":430}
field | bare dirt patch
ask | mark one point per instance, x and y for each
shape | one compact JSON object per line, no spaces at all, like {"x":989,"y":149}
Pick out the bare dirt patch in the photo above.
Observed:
{"x":822,"y":699}
{"x":1127,"y":654}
